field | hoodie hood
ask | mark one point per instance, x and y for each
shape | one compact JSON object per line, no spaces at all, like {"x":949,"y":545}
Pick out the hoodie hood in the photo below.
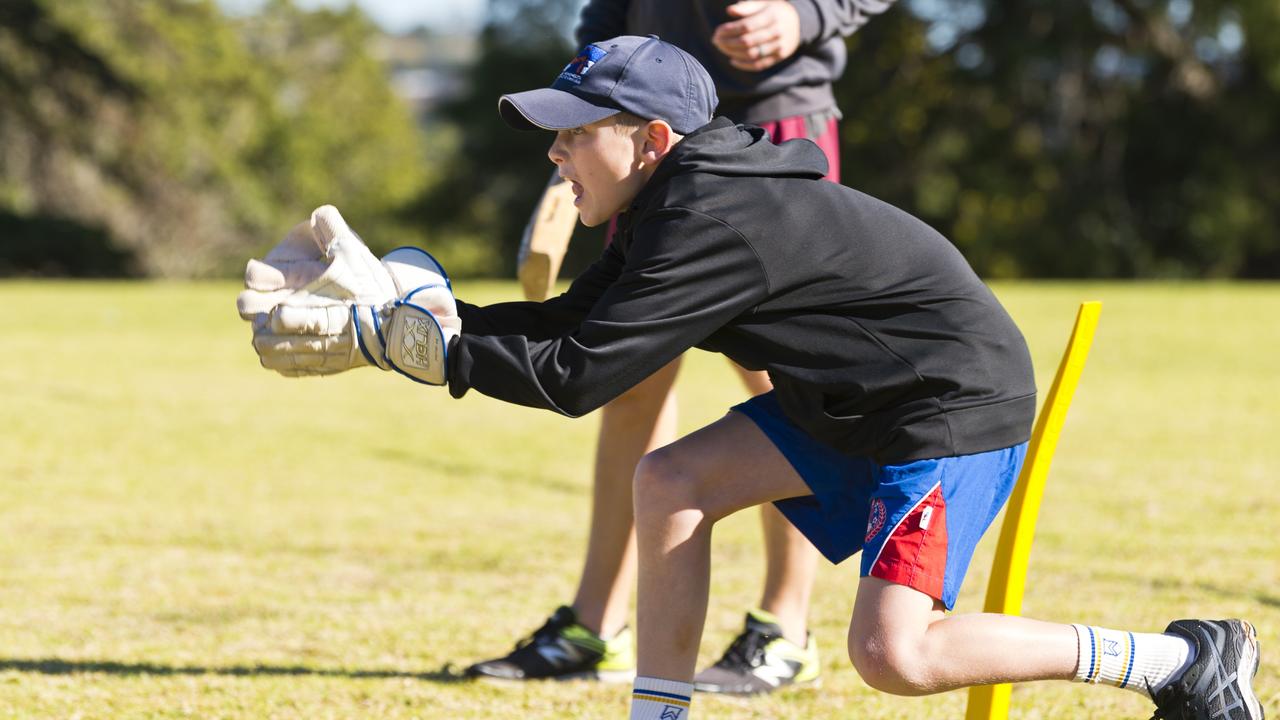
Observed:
{"x":722,"y":148}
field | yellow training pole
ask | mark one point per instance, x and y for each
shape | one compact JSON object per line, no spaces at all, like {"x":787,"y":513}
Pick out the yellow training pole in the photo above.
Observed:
{"x":1013,"y":553}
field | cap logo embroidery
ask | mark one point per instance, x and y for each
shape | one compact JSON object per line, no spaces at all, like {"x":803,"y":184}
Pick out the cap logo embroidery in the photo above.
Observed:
{"x":580,"y":65}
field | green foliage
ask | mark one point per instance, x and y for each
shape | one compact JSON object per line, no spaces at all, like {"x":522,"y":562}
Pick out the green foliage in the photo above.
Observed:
{"x":497,"y":174}
{"x":340,"y":135}
{"x":194,"y":140}
{"x":1108,"y":138}
{"x":58,"y":247}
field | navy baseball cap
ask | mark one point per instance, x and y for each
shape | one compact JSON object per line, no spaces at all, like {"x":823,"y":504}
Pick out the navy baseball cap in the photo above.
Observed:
{"x":644,"y":76}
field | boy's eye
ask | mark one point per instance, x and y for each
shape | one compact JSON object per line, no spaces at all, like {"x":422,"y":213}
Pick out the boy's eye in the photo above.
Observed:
{"x":578,"y":131}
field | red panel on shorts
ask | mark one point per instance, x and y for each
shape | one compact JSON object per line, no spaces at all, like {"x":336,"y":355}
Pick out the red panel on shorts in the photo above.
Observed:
{"x":915,"y":554}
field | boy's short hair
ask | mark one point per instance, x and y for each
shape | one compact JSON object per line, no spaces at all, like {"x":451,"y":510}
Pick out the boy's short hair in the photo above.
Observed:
{"x":629,"y":120}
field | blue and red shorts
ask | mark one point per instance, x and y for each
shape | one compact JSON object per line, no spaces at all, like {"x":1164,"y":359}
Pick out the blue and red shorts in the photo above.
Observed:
{"x":916,"y":523}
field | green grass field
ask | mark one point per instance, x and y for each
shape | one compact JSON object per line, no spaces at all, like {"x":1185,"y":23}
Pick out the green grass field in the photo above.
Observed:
{"x":186,"y":535}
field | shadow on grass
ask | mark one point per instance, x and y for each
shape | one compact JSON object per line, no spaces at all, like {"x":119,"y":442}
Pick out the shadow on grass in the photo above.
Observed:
{"x":56,"y":666}
{"x":1259,"y":596}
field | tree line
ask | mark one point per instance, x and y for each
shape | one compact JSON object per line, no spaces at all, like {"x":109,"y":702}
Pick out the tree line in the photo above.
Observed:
{"x":1106,"y":138}
{"x":162,"y":138}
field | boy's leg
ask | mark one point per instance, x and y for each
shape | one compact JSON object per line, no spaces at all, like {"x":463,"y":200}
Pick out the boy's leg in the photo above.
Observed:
{"x":680,"y":492}
{"x":901,"y":642}
{"x":640,"y":421}
{"x":925,"y":519}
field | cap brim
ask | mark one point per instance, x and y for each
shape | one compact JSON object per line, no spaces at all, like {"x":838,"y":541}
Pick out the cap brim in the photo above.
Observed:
{"x":549,"y":109}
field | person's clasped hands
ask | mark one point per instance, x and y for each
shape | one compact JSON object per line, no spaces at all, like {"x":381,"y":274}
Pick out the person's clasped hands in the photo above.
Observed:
{"x":762,"y":34}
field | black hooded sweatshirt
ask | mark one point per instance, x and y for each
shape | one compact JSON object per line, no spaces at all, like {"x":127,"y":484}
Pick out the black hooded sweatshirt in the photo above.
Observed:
{"x":878,"y":337}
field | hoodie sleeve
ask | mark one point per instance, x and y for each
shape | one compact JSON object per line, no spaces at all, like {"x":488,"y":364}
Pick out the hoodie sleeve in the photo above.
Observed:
{"x":601,"y":20}
{"x":686,"y":275}
{"x":821,"y":20}
{"x":552,"y":317}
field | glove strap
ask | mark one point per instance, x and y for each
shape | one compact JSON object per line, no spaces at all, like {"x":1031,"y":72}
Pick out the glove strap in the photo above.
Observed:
{"x":367,"y":321}
{"x":416,"y":346}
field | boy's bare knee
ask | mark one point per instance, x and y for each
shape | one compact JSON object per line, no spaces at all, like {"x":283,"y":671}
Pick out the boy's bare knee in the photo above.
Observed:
{"x":891,"y":665}
{"x":663,"y":484}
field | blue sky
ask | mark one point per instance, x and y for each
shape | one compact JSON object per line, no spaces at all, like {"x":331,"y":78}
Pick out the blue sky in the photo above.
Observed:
{"x":396,"y":15}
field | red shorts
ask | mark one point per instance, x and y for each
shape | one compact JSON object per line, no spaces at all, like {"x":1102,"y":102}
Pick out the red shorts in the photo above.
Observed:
{"x":828,"y":138}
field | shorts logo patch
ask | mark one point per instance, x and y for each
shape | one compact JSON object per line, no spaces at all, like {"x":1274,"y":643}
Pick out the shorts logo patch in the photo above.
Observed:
{"x":581,"y":65}
{"x":876,"y":518}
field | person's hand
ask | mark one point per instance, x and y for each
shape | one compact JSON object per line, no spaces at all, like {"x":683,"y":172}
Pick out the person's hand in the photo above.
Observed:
{"x":397,"y":313}
{"x":763,"y":34}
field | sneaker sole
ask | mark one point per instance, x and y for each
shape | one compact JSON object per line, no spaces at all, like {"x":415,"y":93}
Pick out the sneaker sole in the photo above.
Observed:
{"x":1248,"y":668}
{"x":814,"y":684}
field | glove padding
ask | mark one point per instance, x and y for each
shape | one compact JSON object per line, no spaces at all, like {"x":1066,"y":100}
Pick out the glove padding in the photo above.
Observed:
{"x":338,"y":318}
{"x":417,"y":340}
{"x":297,"y":261}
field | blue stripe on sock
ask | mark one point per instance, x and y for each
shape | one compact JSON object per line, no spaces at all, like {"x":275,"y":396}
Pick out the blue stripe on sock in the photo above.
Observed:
{"x":673,"y":696}
{"x":1125,"y":682}
{"x":1093,"y":653}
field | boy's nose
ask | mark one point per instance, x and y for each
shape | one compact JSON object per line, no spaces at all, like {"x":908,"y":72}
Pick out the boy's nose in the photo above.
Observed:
{"x":556,"y":152}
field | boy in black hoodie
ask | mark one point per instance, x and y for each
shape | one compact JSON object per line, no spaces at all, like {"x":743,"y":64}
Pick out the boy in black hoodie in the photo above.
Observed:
{"x":903,"y":391}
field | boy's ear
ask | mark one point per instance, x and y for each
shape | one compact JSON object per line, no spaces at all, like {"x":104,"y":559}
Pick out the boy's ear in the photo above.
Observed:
{"x":659,"y":138}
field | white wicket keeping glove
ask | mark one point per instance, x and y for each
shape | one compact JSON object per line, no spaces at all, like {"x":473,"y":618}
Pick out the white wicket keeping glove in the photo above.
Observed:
{"x":289,"y":266}
{"x":397,"y":314}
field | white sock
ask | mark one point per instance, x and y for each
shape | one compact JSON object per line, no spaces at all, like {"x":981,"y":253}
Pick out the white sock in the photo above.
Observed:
{"x":658,"y":699}
{"x":1133,"y":661}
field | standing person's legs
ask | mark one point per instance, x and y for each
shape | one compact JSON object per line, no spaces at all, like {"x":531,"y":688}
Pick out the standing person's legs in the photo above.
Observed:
{"x":680,"y":492}
{"x":639,"y":421}
{"x":791,"y":564}
{"x":791,"y":561}
{"x":774,"y":648}
{"x":588,"y":639}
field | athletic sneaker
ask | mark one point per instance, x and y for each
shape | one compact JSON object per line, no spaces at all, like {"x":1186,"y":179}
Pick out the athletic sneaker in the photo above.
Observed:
{"x":562,"y":649}
{"x":1218,"y":684}
{"x":760,"y":660}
